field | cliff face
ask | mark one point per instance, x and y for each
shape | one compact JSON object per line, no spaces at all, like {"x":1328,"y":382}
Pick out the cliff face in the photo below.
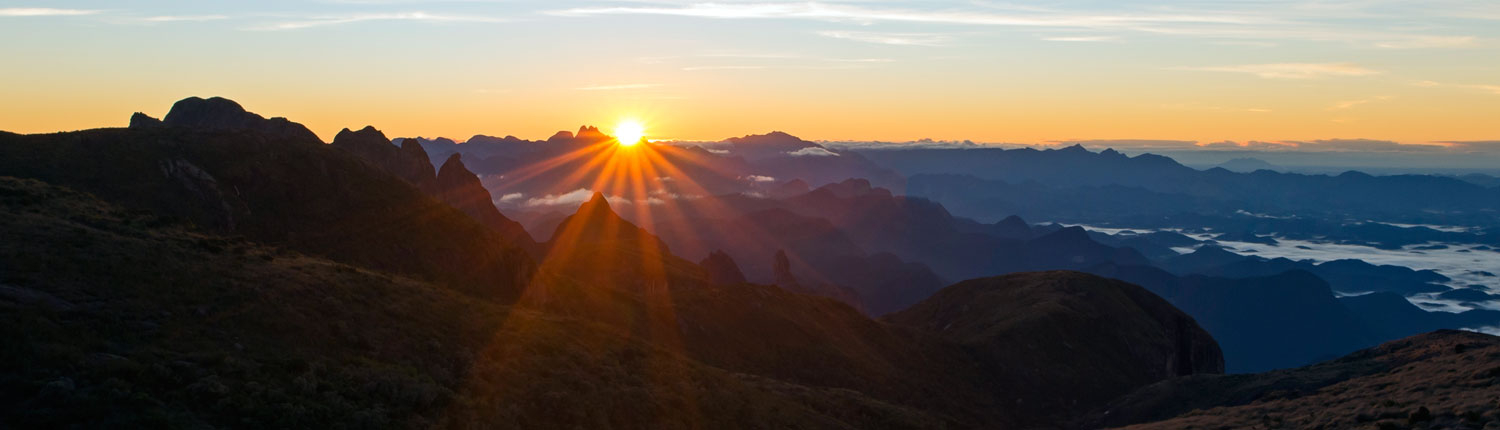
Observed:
{"x":453,"y":184}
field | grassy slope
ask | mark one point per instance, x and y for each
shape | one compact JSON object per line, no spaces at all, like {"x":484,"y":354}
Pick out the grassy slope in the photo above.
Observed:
{"x":1454,"y":376}
{"x":114,"y":319}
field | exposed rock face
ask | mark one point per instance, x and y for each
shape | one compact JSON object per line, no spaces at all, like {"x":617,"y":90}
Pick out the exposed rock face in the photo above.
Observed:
{"x":371,"y":145}
{"x":1073,"y":330}
{"x":142,"y":121}
{"x":221,"y":114}
{"x":200,"y":184}
{"x":462,"y":189}
{"x":781,"y":269}
{"x":721,"y":269}
{"x":414,"y":160}
{"x":454,"y":184}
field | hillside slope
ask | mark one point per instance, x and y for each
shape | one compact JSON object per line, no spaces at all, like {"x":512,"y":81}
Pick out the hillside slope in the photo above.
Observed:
{"x":114,"y":319}
{"x":300,"y":194}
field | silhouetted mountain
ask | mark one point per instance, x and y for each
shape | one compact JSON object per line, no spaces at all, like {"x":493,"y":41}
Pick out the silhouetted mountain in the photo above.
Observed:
{"x":187,"y":301}
{"x":117,"y":319}
{"x":1263,"y":323}
{"x":140,"y":120}
{"x":277,"y":189}
{"x":1347,"y":276}
{"x":781,"y":273}
{"x":721,"y":269}
{"x":1247,"y":165}
{"x":1078,"y":186}
{"x":783,"y":156}
{"x":459,"y":187}
{"x":1444,"y":379}
{"x":823,"y":254}
{"x":790,"y":188}
{"x":1392,"y":316}
{"x":453,"y":184}
{"x":1133,"y":338}
{"x":407,"y":162}
{"x":221,"y":114}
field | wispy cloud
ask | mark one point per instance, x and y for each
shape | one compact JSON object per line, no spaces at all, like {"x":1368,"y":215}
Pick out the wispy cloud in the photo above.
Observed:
{"x":1420,"y":42}
{"x":617,"y":87}
{"x":403,"y":16}
{"x":899,"y":39}
{"x":1492,"y":89}
{"x":1246,"y":21}
{"x":44,"y":11}
{"x":1082,"y":38}
{"x":1292,"y":70}
{"x":182,"y":18}
{"x":837,"y":12}
{"x":764,"y":61}
{"x":1346,"y":104}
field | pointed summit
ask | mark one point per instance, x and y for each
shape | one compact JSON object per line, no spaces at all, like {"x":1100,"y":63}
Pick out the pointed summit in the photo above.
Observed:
{"x":463,"y":190}
{"x":596,"y":203}
{"x":1074,"y":148}
{"x":453,"y":169}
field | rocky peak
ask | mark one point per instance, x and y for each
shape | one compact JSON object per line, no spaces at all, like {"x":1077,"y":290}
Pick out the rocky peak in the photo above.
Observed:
{"x":1074,"y":148}
{"x":781,"y":270}
{"x":454,"y":169}
{"x":1013,"y":227}
{"x":721,"y":269}
{"x":221,"y":114}
{"x":590,"y":133}
{"x":366,"y":138}
{"x":597,"y":204}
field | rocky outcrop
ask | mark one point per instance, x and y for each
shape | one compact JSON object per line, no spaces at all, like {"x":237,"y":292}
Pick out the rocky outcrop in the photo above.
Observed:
{"x":721,"y":269}
{"x":453,"y":184}
{"x":408,"y":162}
{"x":781,"y":269}
{"x":221,"y":114}
{"x":141,"y":121}
{"x":462,"y":189}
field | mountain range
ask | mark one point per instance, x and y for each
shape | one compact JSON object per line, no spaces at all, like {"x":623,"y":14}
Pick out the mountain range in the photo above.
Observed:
{"x":220,"y":269}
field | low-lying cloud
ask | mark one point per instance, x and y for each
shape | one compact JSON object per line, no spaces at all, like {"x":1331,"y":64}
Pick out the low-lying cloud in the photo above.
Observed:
{"x":812,"y":151}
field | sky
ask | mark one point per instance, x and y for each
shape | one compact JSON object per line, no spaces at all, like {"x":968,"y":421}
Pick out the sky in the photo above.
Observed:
{"x":1276,"y":72}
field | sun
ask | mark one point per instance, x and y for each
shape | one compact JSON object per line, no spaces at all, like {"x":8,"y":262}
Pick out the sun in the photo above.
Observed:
{"x":629,"y":132}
